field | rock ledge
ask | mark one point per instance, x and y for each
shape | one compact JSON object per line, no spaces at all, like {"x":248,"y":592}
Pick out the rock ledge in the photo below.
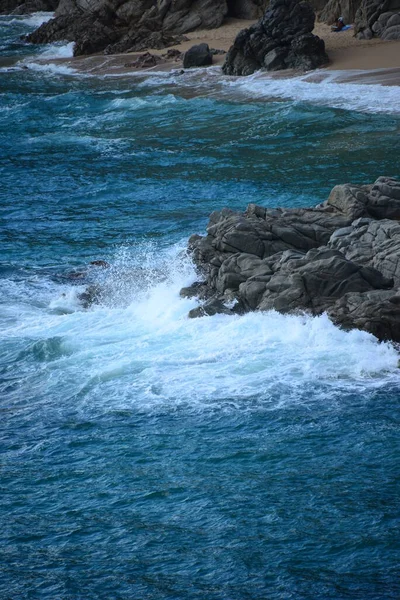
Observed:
{"x":341,"y":257}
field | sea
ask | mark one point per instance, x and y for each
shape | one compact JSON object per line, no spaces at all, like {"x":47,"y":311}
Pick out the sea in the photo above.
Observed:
{"x":146,"y":455}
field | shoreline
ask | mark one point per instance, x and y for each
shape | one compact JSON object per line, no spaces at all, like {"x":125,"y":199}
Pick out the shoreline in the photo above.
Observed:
{"x":351,"y":60}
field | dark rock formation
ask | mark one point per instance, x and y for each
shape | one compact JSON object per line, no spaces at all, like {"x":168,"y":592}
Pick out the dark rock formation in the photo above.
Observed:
{"x":19,"y":7}
{"x":341,"y":257}
{"x":144,"y":61}
{"x":198,"y":56}
{"x":113,"y":26}
{"x":282,"y":39}
{"x":380,"y":18}
{"x":339,"y":8}
{"x":246,"y":9}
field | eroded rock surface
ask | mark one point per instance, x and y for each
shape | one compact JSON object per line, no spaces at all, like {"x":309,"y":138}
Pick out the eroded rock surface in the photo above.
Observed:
{"x":341,"y":257}
{"x":114,"y":26}
{"x":379,"y":18}
{"x":281,"y":39}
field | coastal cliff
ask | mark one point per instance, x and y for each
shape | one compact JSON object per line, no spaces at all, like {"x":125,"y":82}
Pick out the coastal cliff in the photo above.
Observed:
{"x":341,"y":257}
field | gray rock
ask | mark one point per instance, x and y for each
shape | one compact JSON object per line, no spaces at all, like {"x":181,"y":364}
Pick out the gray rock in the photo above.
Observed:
{"x":378,"y":17}
{"x":281,"y":39}
{"x":343,"y":253}
{"x":113,"y":26}
{"x":197,"y":56}
{"x":339,"y":8}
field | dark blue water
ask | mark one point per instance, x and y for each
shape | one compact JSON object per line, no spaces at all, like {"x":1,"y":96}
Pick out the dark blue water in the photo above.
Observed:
{"x":146,"y":455}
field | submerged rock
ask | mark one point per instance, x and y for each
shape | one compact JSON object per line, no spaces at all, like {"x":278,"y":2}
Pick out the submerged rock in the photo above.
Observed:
{"x":282,"y":39}
{"x":341,"y":257}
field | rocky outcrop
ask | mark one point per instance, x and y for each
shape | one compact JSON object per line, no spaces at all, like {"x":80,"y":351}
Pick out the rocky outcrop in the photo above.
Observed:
{"x":19,"y":7}
{"x":281,"y":39}
{"x":341,"y":257}
{"x":380,"y":18}
{"x":197,"y":56}
{"x":339,"y":8}
{"x":114,"y":26}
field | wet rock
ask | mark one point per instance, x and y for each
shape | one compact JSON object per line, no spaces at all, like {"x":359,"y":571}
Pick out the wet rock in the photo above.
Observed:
{"x":282,"y":39}
{"x":144,"y":61}
{"x":100,"y":263}
{"x":341,"y":257}
{"x":197,"y":56}
{"x":90,"y":296}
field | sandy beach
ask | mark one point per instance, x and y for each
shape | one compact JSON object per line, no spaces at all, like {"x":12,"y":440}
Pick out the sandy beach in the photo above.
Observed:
{"x":374,"y":61}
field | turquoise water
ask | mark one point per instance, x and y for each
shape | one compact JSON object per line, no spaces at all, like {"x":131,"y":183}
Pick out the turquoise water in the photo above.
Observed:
{"x":146,"y":455}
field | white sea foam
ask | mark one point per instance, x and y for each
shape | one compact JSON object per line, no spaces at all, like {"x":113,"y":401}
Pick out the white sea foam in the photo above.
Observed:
{"x":139,"y":348}
{"x":58,"y":50}
{"x":323,"y":88}
{"x":327,"y":88}
{"x":134,"y":103}
{"x":34,"y":20}
{"x":47,"y":68}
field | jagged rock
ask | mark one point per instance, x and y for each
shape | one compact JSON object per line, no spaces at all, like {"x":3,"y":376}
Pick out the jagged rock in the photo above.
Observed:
{"x":197,"y":56}
{"x":336,"y":257}
{"x":282,"y":39}
{"x":375,"y":311}
{"x":114,"y":26}
{"x":378,"y":17}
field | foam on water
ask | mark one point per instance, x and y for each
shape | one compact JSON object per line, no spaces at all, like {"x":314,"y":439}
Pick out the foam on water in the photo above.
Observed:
{"x":139,"y":348}
{"x":34,"y":20}
{"x":58,"y":50}
{"x":48,"y":68}
{"x":326,"y":91}
{"x":322,"y":87}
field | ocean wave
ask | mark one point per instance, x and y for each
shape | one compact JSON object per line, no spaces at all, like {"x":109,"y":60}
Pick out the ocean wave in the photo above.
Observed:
{"x":137,"y":102}
{"x":324,"y":88}
{"x":58,"y":50}
{"x":33,"y":20}
{"x":139,"y":346}
{"x":47,"y":68}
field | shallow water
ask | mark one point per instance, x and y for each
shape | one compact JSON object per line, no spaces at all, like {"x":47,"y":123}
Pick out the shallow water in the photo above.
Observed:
{"x":146,"y":455}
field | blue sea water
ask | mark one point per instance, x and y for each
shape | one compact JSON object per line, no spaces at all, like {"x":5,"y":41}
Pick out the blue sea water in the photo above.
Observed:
{"x":146,"y":455}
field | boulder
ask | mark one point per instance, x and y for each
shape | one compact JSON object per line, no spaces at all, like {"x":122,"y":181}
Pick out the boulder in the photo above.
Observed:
{"x":197,"y":56}
{"x":281,"y":39}
{"x":380,"y":18}
{"x":341,"y":257}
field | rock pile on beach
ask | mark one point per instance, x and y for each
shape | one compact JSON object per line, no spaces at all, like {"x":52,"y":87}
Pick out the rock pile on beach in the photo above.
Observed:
{"x":341,"y":257}
{"x":281,"y":39}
